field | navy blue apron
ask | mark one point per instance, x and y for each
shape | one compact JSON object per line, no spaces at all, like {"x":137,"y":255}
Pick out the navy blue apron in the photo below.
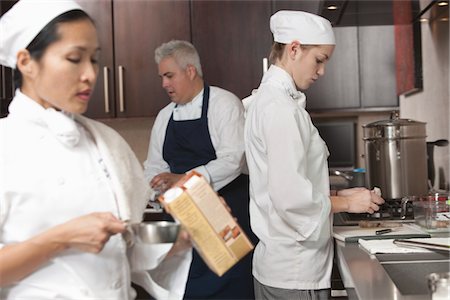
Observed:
{"x":187,"y":145}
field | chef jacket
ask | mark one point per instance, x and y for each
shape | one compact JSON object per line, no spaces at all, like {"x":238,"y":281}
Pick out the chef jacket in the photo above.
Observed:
{"x":226,"y":125}
{"x":53,"y":169}
{"x":289,"y":187}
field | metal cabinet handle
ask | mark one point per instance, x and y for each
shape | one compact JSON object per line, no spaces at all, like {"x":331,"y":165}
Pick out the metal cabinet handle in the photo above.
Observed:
{"x":3,"y":83}
{"x":106,"y":88}
{"x":13,"y":90}
{"x":265,"y":65}
{"x":121,"y":100}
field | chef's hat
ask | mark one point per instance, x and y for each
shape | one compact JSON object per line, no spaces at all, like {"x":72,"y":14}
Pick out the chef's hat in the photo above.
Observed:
{"x":309,"y":29}
{"x":23,"y":22}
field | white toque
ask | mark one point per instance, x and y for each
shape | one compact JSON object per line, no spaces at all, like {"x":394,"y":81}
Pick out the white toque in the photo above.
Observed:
{"x":309,"y":29}
{"x":23,"y":22}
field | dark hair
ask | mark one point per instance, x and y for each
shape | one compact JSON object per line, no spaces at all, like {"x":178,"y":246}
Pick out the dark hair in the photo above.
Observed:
{"x":47,"y":36}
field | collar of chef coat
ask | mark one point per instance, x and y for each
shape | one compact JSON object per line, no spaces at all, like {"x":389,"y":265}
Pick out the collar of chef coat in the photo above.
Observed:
{"x":191,"y":110}
{"x":61,"y":124}
{"x":279,"y":76}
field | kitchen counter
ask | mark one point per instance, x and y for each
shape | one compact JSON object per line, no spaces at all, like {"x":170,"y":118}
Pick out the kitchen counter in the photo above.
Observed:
{"x":387,"y":276}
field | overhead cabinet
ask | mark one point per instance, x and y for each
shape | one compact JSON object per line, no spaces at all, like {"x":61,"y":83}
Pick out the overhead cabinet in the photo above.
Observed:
{"x":377,"y":66}
{"x":6,"y":89}
{"x":6,"y":74}
{"x":129,"y":31}
{"x":232,"y":38}
{"x":339,"y":88}
{"x":361,"y":73}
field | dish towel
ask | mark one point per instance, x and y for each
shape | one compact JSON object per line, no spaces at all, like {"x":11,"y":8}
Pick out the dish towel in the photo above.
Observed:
{"x":126,"y":174}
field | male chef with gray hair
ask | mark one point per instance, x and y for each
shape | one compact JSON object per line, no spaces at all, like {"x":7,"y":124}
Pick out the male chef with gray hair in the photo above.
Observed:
{"x":202,"y":130}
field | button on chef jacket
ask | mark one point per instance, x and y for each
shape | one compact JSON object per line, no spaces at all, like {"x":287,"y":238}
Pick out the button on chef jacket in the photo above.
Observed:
{"x":289,"y":187}
{"x":46,"y":182}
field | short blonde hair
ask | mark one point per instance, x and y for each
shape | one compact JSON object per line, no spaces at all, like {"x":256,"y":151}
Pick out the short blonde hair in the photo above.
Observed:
{"x":276,"y":52}
{"x":183,"y":52}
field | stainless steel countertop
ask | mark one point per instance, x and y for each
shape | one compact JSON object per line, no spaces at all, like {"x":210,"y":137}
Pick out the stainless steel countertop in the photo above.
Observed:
{"x":364,"y":276}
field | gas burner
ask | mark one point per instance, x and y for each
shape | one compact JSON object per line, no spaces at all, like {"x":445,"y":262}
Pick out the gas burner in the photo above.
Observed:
{"x":391,"y":210}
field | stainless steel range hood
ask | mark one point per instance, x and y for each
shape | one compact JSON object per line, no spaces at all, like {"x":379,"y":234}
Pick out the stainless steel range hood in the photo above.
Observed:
{"x":381,"y":12}
{"x":431,"y":11}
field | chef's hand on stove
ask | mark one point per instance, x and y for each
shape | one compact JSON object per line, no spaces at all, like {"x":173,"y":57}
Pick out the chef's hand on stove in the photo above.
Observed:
{"x":361,"y":200}
{"x":350,"y":191}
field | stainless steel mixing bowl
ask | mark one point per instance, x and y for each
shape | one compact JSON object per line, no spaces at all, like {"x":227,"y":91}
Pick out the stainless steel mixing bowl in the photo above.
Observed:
{"x":156,"y":232}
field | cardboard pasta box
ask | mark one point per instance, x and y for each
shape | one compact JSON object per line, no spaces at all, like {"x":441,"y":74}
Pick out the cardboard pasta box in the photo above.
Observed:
{"x":216,"y":235}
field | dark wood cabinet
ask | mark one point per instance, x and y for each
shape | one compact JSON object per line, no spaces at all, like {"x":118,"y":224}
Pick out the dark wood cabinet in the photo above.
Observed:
{"x":232,"y":38}
{"x":7,"y":89}
{"x":6,"y":74}
{"x":129,"y":31}
{"x":308,"y":6}
{"x":139,"y":28}
{"x":102,"y":103}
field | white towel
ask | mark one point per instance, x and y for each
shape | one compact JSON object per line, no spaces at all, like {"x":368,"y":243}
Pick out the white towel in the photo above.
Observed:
{"x":128,"y":181}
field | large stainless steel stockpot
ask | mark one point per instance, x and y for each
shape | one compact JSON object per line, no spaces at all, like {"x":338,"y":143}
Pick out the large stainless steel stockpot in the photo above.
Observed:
{"x":396,"y":157}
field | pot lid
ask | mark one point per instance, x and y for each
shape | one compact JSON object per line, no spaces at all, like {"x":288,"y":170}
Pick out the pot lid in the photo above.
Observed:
{"x":395,"y":122}
{"x":394,"y":129}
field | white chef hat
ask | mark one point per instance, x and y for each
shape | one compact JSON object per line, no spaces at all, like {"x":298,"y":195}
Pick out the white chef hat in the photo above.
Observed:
{"x":23,"y":22}
{"x":309,"y":29}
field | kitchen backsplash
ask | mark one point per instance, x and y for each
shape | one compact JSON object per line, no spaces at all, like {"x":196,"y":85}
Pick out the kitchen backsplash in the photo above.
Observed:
{"x":136,"y":131}
{"x":431,"y":105}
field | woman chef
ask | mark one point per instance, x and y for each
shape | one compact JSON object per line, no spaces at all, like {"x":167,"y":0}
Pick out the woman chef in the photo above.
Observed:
{"x":68,"y":183}
{"x":290,"y":204}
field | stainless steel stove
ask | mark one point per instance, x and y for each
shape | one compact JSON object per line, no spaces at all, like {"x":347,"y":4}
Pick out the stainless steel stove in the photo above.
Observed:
{"x":391,"y":210}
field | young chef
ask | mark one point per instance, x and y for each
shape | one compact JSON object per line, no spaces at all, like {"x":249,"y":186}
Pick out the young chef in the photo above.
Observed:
{"x":202,"y":130}
{"x":290,"y":204}
{"x":68,"y":183}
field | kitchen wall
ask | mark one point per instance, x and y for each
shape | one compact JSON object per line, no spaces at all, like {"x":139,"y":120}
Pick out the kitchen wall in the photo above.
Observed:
{"x":431,"y":105}
{"x":136,"y":131}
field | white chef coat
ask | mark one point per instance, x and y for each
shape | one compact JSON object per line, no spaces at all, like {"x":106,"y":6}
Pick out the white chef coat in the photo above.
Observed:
{"x":226,"y":125}
{"x":289,"y":187}
{"x":47,"y":180}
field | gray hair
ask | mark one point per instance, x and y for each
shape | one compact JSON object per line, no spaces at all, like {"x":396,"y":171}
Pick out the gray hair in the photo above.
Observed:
{"x":183,"y":52}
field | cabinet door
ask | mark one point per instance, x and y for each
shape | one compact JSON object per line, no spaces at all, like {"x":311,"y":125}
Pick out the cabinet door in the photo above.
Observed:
{"x":339,"y":87}
{"x":139,"y":28}
{"x":308,"y":6}
{"x":7,"y":87}
{"x":377,"y":66}
{"x":232,"y":38}
{"x":102,"y":102}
